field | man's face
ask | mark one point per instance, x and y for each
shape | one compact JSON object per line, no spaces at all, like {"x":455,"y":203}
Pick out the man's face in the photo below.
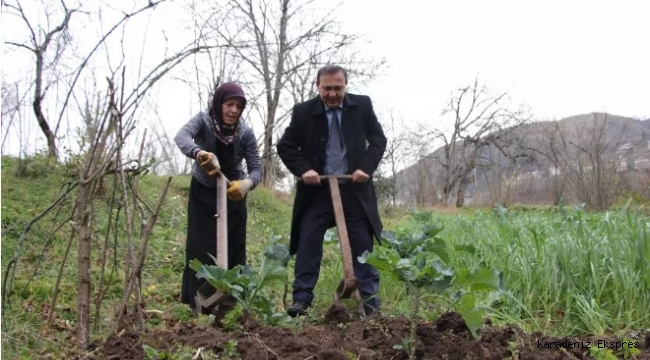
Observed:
{"x":331,"y":88}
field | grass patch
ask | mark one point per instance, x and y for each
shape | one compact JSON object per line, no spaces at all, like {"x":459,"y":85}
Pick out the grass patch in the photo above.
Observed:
{"x":566,"y":271}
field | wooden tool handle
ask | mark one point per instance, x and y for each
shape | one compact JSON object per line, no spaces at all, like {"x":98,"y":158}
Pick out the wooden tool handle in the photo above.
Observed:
{"x":327,"y":177}
{"x":228,"y":182}
{"x":349,"y":281}
{"x":222,"y":221}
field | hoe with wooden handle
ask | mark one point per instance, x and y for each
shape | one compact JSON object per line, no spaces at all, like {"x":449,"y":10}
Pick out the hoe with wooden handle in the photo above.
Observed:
{"x":207,"y":297}
{"x":347,"y":288}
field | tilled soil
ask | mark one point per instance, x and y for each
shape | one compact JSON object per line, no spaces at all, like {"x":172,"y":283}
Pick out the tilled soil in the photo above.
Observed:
{"x":342,"y":337}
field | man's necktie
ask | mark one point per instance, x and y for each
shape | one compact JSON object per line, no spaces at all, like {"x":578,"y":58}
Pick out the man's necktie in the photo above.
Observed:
{"x":335,"y":144}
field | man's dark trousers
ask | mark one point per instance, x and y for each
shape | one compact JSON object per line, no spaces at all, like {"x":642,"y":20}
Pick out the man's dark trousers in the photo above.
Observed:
{"x":317,"y":218}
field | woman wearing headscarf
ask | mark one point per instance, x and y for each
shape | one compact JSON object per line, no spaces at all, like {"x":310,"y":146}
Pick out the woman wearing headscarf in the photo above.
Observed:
{"x":218,"y":141}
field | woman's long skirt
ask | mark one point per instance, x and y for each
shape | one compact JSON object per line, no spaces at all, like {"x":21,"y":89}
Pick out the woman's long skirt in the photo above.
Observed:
{"x":202,"y":235}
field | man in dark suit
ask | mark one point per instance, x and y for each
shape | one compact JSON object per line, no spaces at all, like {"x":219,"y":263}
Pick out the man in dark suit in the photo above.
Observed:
{"x":333,"y":133}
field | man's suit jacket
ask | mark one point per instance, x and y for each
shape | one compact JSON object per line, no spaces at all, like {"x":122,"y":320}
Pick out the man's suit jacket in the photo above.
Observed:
{"x":302,"y":148}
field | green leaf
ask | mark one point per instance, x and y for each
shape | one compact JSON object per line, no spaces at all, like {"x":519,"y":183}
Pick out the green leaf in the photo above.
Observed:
{"x":421,"y":260}
{"x":384,"y":260}
{"x":477,"y":280}
{"x":403,"y":263}
{"x":150,"y":352}
{"x":472,"y":315}
{"x":406,"y":275}
{"x":222,"y":279}
{"x":388,"y":235}
{"x":539,"y":243}
{"x":273,"y":269}
{"x":417,"y":237}
{"x":502,"y":283}
{"x":363,"y":258}
{"x":467,"y":248}
{"x":432,"y":230}
{"x":278,"y":252}
{"x":330,"y":237}
{"x":409,"y":245}
{"x":381,"y":258}
{"x":250,"y":284}
{"x":439,"y":247}
{"x":439,"y":286}
{"x":456,"y":295}
{"x":442,"y":268}
{"x":278,"y":319}
{"x":212,"y":273}
{"x":276,"y":273}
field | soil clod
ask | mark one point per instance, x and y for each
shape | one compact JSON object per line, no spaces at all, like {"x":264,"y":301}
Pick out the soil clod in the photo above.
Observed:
{"x":368,"y":339}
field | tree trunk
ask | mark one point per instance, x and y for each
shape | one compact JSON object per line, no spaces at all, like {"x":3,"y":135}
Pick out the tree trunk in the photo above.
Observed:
{"x":82,"y":228}
{"x":38,"y":110}
{"x":49,"y":135}
{"x":462,"y":185}
{"x":268,"y":166}
{"x":273,"y":97}
{"x":448,"y":183}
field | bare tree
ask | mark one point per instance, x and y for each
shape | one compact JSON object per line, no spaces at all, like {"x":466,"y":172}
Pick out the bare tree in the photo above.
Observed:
{"x":589,"y":152}
{"x":418,"y":183}
{"x":13,"y":101}
{"x":109,"y":118}
{"x":282,"y":42}
{"x":122,"y":111}
{"x":219,"y":62}
{"x":500,"y":178}
{"x":202,"y":75}
{"x":51,"y":68}
{"x":396,"y":154}
{"x":111,"y":124}
{"x":106,"y":155}
{"x":47,"y":45}
{"x":480,"y":119}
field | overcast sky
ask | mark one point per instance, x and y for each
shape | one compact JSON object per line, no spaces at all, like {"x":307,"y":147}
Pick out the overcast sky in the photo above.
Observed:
{"x":562,"y":58}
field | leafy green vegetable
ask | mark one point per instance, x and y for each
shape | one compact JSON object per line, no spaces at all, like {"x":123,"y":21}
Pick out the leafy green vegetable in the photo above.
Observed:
{"x":421,"y":260}
{"x":247,"y":284}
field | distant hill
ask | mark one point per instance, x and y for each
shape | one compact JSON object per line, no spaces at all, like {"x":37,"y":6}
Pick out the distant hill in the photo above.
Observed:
{"x":422,"y":181}
{"x":646,"y":123}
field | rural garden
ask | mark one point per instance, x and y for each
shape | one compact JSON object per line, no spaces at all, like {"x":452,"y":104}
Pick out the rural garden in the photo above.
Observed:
{"x":527,"y":283}
{"x":504,"y":236}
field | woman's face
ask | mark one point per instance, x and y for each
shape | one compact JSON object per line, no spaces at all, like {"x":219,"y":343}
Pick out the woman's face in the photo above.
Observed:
{"x":231,"y":110}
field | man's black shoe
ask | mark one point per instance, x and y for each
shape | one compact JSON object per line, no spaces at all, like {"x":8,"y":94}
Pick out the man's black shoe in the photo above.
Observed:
{"x":298,"y":308}
{"x":369,"y":310}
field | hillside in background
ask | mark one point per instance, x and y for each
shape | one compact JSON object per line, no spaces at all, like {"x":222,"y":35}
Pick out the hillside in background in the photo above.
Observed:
{"x":537,"y":154}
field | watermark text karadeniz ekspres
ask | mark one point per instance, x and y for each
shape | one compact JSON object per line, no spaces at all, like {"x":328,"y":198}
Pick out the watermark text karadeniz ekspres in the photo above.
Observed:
{"x":600,"y":344}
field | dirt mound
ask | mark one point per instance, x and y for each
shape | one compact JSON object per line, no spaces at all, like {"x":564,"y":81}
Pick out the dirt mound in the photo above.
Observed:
{"x":451,"y":321}
{"x":124,"y":345}
{"x":338,"y":314}
{"x":343,"y":337}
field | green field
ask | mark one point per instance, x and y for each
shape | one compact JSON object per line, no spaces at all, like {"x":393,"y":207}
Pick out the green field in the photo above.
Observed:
{"x":566,"y":271}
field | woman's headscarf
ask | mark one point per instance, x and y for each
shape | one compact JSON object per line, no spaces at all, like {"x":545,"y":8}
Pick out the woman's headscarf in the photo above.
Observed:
{"x":228,"y":90}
